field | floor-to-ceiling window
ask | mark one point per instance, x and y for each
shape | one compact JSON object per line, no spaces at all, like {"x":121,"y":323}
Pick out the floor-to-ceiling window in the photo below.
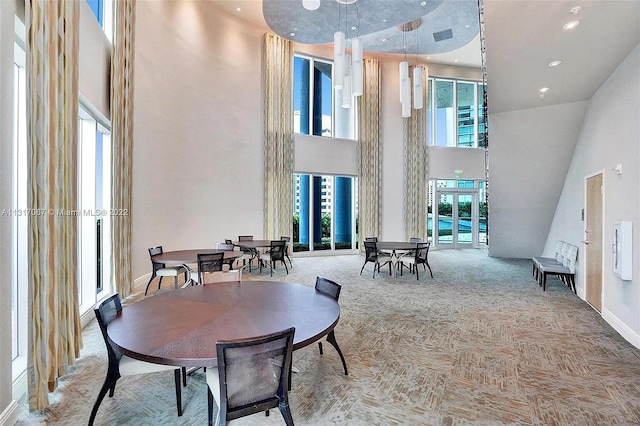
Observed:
{"x":325,"y":212}
{"x":94,"y":212}
{"x":19,"y":219}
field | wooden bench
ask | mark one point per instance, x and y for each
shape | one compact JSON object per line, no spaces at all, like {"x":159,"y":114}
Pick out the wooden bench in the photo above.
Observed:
{"x":562,"y":265}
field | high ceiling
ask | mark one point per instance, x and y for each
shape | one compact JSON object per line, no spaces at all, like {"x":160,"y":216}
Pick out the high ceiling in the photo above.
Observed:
{"x":376,"y":22}
{"x":522,"y":38}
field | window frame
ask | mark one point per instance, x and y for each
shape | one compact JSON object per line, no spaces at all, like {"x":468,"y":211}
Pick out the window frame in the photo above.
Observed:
{"x":432,"y":112}
{"x":335,"y":109}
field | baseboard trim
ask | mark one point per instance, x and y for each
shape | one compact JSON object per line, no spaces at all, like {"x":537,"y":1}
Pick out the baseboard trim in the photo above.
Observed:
{"x":624,"y":330}
{"x":19,"y":387}
{"x":9,"y":416}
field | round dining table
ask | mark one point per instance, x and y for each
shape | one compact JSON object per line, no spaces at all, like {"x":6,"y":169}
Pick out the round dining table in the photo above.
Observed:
{"x":181,"y":327}
{"x":186,"y":257}
{"x":254,"y":244}
{"x":397,"y":249}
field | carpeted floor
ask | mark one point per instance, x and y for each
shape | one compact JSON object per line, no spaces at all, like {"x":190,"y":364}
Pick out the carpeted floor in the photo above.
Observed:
{"x":479,"y":344}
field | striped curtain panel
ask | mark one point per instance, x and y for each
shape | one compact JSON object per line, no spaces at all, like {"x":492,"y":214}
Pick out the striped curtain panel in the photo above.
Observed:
{"x":54,"y":335}
{"x":369,"y":153}
{"x":122,"y":68}
{"x":416,"y":170}
{"x":277,"y":72}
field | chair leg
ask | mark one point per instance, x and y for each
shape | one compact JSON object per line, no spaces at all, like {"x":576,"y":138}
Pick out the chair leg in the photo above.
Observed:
{"x":109,"y":385}
{"x":149,"y":283}
{"x":184,"y":377}
{"x":286,"y":413}
{"x":175,"y":282}
{"x":331,"y":338}
{"x":431,"y":272}
{"x":210,"y":405}
{"x":177,"y":373}
{"x":362,"y":269}
{"x":160,"y":283}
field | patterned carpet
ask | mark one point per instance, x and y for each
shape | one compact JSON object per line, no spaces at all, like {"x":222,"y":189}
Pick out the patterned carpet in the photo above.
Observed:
{"x":479,"y":344}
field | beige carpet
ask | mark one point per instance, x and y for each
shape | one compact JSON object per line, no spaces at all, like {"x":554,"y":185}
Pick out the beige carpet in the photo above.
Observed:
{"x":479,"y":344}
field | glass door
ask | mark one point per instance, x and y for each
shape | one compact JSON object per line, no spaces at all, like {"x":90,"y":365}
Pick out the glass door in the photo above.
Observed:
{"x":458,"y":218}
{"x":464,"y":220}
{"x":445,"y":219}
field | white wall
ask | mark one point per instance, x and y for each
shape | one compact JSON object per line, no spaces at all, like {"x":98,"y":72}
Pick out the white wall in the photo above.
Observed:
{"x":197,"y":155}
{"x":338,"y":156}
{"x":529,"y":154}
{"x":444,"y":161}
{"x":610,"y":134}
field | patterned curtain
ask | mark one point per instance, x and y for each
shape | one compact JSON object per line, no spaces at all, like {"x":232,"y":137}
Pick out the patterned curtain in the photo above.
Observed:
{"x":369,"y":153}
{"x":55,"y":335}
{"x":277,"y":71}
{"x":122,"y":142}
{"x":416,"y":170}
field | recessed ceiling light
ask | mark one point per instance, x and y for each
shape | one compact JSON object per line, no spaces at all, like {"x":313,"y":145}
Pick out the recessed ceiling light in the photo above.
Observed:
{"x":467,"y":26}
{"x":570,"y":25}
{"x":575,"y":10}
{"x":541,"y":95}
{"x":455,"y":60}
{"x":354,"y":28}
{"x":384,"y":20}
{"x":292,"y":34}
{"x":384,"y":40}
{"x":428,"y":57}
{"x":554,"y":63}
{"x":238,"y":9}
{"x":424,"y":3}
{"x":543,"y":90}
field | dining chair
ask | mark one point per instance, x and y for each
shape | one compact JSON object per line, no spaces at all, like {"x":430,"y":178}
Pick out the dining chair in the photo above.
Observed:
{"x":224,"y":276}
{"x":420,"y":257}
{"x":161,"y":270}
{"x":251,"y":377}
{"x":209,"y":262}
{"x":331,"y":289}
{"x":286,"y":249}
{"x":275,"y":253}
{"x":226,"y":247}
{"x":249,"y":253}
{"x":373,"y":255}
{"x":121,"y":365}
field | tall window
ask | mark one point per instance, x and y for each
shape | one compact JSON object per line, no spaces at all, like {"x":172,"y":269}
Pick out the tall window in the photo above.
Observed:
{"x":324,"y":212}
{"x":314,"y":109}
{"x":19,"y":219}
{"x":94,"y":212}
{"x":455,"y":116}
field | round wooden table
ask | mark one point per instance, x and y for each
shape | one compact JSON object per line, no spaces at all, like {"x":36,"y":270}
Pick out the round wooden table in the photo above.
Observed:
{"x":395,"y":247}
{"x":186,"y":257}
{"x":253,"y":243}
{"x":181,"y":327}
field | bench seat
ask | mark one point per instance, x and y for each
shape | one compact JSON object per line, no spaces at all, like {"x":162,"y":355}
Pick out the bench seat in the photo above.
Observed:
{"x":562,"y":265}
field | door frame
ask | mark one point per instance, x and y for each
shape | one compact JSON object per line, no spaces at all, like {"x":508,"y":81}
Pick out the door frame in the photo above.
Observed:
{"x":475,"y":217}
{"x":583,"y":289}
